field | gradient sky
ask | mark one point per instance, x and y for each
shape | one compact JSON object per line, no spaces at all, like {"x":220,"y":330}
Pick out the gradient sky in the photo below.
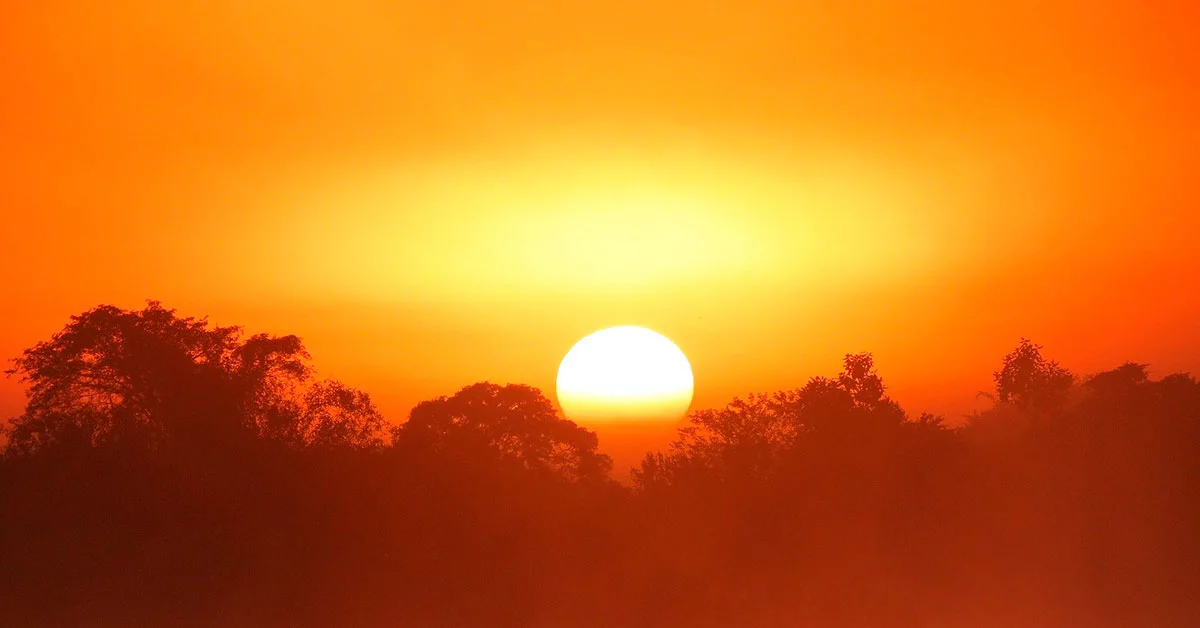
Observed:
{"x":437,"y":193}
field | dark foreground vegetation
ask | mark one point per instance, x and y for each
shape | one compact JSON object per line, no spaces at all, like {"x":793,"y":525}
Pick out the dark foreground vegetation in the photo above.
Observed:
{"x":167,"y":472}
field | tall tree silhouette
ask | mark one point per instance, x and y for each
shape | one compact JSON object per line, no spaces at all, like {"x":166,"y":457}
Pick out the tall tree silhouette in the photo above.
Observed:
{"x":513,"y":424}
{"x":150,"y":379}
{"x":1031,"y":381}
{"x":850,"y":403}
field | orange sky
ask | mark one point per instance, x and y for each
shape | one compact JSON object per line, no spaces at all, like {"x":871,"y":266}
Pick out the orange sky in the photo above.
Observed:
{"x":437,"y":193}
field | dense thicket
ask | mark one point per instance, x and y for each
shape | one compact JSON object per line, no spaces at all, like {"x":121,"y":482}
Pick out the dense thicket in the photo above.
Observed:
{"x":171,"y":472}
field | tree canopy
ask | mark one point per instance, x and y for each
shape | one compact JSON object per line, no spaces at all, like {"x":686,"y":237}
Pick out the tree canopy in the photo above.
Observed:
{"x":512,"y":424}
{"x":169,"y":471}
{"x":749,"y":438}
{"x":151,"y":379}
{"x":1031,"y":381}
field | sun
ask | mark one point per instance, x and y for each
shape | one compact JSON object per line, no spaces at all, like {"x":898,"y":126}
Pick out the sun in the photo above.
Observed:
{"x":625,"y":373}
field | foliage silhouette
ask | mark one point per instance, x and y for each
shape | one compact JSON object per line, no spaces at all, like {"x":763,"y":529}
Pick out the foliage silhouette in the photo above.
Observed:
{"x":152,"y":380}
{"x":511,"y":424}
{"x":1031,"y":381}
{"x":750,"y":438}
{"x":167,"y":471}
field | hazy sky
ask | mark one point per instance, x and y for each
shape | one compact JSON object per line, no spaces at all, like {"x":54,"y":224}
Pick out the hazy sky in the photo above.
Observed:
{"x":433,"y":194}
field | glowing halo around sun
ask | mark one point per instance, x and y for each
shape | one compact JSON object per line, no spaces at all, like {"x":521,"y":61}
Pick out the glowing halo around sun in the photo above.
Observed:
{"x":625,"y":373}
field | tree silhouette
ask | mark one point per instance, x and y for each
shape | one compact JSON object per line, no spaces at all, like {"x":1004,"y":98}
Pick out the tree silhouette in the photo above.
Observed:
{"x":151,"y":380}
{"x":1030,"y":381}
{"x":852,"y":402}
{"x":171,"y":472}
{"x":335,"y":415}
{"x":743,"y":439}
{"x":512,"y":424}
{"x":749,"y":437}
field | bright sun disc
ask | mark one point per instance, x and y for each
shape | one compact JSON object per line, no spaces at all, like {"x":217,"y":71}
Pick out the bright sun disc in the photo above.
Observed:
{"x":626,"y":374}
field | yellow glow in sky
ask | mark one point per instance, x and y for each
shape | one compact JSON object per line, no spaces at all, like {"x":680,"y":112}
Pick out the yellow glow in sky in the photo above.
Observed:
{"x":609,"y":221}
{"x":770,"y":184}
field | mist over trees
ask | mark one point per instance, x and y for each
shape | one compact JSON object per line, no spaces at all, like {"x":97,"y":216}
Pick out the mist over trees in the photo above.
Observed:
{"x":167,"y":471}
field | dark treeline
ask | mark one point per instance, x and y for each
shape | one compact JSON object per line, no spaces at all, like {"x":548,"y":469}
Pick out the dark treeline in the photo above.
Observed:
{"x":168,"y":472}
